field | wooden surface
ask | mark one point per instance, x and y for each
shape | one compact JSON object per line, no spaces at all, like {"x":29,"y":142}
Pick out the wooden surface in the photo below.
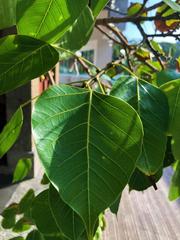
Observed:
{"x":146,"y":216}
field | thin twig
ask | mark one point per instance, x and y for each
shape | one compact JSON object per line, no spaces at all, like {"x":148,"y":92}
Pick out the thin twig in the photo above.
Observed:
{"x":51,"y":78}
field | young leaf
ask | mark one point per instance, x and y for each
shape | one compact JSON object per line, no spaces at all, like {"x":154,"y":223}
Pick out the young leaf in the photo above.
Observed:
{"x":140,"y":182}
{"x":22,"y":59}
{"x":47,"y":20}
{"x":135,"y":8}
{"x":22,"y":169}
{"x":152,"y":106}
{"x":174,"y":191}
{"x":22,"y":225}
{"x":7,"y":13}
{"x":67,"y":220}
{"x":11,"y":132}
{"x":172,"y":91}
{"x":8,"y":222}
{"x":97,"y":6}
{"x":92,"y":142}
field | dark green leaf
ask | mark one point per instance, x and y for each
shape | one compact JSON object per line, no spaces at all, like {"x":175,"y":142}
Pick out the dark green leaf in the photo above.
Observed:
{"x":78,"y":34}
{"x":22,"y":225}
{"x":35,"y":235}
{"x":169,"y":158}
{"x":11,"y":132}
{"x":174,"y":191}
{"x":8,"y":223}
{"x":10,"y":211}
{"x":92,"y":142}
{"x":115,"y":206}
{"x":47,"y":20}
{"x":140,"y":182}
{"x":22,"y":169}
{"x":22,"y":59}
{"x":172,"y":91}
{"x":7,"y":13}
{"x":152,"y":106}
{"x":26,"y":202}
{"x":97,"y":6}
{"x":67,"y":220}
{"x":45,"y":180}
{"x":166,"y":76}
{"x":17,"y":238}
{"x":42,"y":215}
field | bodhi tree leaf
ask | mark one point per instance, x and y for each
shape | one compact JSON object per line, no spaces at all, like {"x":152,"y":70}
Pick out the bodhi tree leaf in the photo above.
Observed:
{"x":172,"y":91}
{"x":152,"y":107}
{"x":22,"y":169}
{"x":97,"y":6}
{"x":26,"y":201}
{"x":92,"y":142}
{"x":7,"y":13}
{"x":169,"y":158}
{"x":66,"y":219}
{"x":174,"y":191}
{"x":22,"y":225}
{"x":47,"y":20}
{"x":78,"y":34}
{"x":42,"y":214}
{"x":22,"y":59}
{"x":17,"y":238}
{"x":140,"y":182}
{"x":115,"y":206}
{"x":173,"y":5}
{"x":165,"y":76}
{"x":11,"y":132}
{"x":35,"y":235}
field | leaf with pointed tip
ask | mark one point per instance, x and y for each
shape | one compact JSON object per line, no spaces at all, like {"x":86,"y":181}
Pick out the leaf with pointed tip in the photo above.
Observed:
{"x":26,"y":202}
{"x":174,"y":191}
{"x":92,"y":142}
{"x":115,"y":206}
{"x":22,"y":225}
{"x":47,"y":20}
{"x":23,"y":59}
{"x":10,"y":132}
{"x":97,"y":6}
{"x":67,"y":220}
{"x":172,"y":91}
{"x":152,"y":107}
{"x":22,"y":169}
{"x":79,"y":34}
{"x":140,"y":182}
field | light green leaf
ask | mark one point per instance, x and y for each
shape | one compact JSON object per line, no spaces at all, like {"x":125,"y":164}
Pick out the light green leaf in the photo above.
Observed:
{"x":97,"y":6}
{"x":22,"y":225}
{"x":173,"y":5}
{"x":79,"y":34}
{"x":47,"y":20}
{"x":172,"y":91}
{"x":174,"y":191}
{"x":140,"y":182}
{"x":92,"y":142}
{"x":42,"y":215}
{"x":22,"y":59}
{"x":67,"y":220}
{"x":135,"y":8}
{"x":10,"y":132}
{"x":165,"y":76}
{"x":152,"y":107}
{"x":157,"y":47}
{"x":7,"y":13}
{"x":22,"y":169}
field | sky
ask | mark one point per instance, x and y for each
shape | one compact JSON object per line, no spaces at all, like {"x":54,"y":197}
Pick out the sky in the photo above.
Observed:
{"x":132,"y":33}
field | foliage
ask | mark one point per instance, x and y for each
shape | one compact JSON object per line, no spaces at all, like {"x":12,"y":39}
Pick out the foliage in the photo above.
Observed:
{"x":92,"y":138}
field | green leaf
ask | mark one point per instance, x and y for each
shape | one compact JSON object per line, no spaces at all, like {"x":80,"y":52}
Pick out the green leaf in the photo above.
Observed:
{"x":47,"y":20}
{"x":174,"y":191}
{"x":22,"y":169}
{"x":45,"y":180}
{"x":7,"y":13}
{"x":67,"y":220}
{"x":42,"y":215}
{"x":157,"y":47}
{"x":165,"y":76}
{"x":169,"y":158}
{"x":140,"y":182}
{"x":8,"y":223}
{"x":135,"y":8}
{"x":22,"y":59}
{"x":34,"y":235}
{"x":152,"y":107}
{"x":10,"y":211}
{"x":143,"y":53}
{"x":17,"y":238}
{"x":79,"y":34}
{"x":26,"y":202}
{"x":92,"y":142}
{"x":173,"y":5}
{"x":22,"y":225}
{"x":172,"y":91}
{"x":115,"y":206}
{"x":11,"y":132}
{"x":97,"y":6}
